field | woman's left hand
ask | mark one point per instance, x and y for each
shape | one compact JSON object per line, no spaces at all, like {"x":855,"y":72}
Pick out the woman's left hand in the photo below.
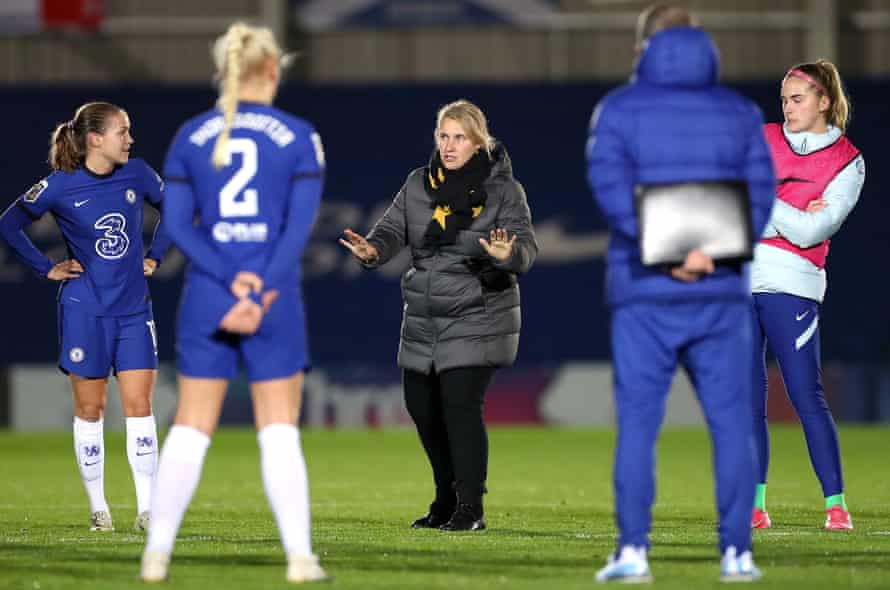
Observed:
{"x":816,"y":205}
{"x":499,"y":247}
{"x":149,"y":266}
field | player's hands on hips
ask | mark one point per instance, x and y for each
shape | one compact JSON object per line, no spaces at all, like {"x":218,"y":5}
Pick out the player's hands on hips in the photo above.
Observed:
{"x":149,"y":266}
{"x":696,"y":265}
{"x":359,"y":246}
{"x":816,"y":205}
{"x":498,"y":246}
{"x":245,"y":283}
{"x":67,"y":269}
{"x":243,"y":318}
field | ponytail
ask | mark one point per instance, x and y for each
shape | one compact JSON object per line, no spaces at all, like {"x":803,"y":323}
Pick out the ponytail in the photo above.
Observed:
{"x":239,"y":52}
{"x":230,"y":79}
{"x":839,"y":111}
{"x":64,"y":153}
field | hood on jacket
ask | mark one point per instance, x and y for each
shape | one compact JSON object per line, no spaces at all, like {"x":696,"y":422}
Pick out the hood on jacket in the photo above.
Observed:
{"x":680,"y":57}
{"x":500,"y":162}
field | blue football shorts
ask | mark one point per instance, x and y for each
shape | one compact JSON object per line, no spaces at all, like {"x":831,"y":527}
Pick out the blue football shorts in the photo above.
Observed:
{"x":92,"y":346}
{"x":278,"y":349}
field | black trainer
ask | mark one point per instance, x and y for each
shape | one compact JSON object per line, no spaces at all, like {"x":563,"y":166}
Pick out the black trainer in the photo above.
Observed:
{"x":436,"y":517}
{"x":467,"y":517}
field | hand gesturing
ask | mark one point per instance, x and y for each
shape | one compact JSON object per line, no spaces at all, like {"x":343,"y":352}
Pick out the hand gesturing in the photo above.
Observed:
{"x":499,"y":247}
{"x":359,"y":246}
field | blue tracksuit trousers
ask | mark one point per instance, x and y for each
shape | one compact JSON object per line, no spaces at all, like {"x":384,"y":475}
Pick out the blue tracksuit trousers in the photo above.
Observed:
{"x":712,"y":340}
{"x":790,"y":325}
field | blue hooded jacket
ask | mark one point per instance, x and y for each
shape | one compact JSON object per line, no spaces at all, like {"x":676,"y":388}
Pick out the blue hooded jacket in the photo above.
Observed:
{"x":674,"y":123}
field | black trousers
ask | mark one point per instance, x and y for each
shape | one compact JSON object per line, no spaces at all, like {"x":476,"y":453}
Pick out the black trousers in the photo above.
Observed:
{"x":447,"y":409}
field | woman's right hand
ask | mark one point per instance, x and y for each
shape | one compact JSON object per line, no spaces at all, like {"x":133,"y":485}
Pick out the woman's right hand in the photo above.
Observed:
{"x":245,"y":283}
{"x":697,"y":265}
{"x":246,"y":315}
{"x":243,"y":318}
{"x":359,"y":246}
{"x":67,"y":269}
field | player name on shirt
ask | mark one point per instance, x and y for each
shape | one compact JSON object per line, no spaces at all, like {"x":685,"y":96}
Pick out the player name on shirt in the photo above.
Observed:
{"x":277,"y":131}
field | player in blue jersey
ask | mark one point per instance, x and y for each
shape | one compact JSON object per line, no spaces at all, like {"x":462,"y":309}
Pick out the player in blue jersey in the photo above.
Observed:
{"x":244,"y":183}
{"x":96,"y":196}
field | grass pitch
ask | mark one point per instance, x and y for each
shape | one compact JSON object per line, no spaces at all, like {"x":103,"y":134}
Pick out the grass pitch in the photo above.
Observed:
{"x":549,"y":513}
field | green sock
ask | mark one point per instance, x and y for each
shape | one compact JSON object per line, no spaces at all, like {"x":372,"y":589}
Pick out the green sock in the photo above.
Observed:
{"x":836,"y":500}
{"x":760,"y":497}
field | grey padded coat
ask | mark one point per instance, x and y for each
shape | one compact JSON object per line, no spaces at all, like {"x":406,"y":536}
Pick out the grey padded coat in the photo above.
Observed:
{"x":461,"y":306}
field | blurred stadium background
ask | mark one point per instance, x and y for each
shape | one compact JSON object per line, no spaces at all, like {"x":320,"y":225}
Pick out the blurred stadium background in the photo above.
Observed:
{"x":371,"y":75}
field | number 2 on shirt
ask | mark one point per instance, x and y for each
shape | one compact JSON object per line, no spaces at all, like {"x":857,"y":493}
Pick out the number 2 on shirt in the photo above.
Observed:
{"x":248,"y":206}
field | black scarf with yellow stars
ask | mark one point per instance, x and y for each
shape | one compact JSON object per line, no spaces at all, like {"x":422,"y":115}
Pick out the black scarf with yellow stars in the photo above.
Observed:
{"x":457,"y":196}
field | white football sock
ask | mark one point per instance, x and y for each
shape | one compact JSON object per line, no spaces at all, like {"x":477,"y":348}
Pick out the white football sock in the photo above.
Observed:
{"x":142,"y":451}
{"x":89,"y":448}
{"x":178,"y":473}
{"x":284,"y":476}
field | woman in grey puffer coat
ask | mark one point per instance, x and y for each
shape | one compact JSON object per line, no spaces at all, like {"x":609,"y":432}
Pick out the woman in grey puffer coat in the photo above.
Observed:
{"x":469,"y":228}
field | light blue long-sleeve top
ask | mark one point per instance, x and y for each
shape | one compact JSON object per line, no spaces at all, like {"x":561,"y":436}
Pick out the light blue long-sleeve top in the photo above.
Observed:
{"x":779,"y":271}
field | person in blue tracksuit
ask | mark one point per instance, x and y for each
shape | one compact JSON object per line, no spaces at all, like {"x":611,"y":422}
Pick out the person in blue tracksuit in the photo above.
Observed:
{"x":244,"y":184}
{"x":820,"y":175}
{"x":96,"y":194}
{"x":674,"y":123}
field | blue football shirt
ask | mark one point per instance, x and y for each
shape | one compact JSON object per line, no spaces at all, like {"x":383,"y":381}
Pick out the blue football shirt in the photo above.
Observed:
{"x":254,"y":214}
{"x":101,"y":217}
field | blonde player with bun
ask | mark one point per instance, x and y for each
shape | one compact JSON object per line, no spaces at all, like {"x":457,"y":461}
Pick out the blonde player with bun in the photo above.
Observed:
{"x":251,"y":175}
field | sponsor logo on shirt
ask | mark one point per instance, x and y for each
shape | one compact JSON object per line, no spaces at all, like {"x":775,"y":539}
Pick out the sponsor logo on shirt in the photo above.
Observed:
{"x":114,"y":242}
{"x":224,"y":231}
{"x":131,"y":196}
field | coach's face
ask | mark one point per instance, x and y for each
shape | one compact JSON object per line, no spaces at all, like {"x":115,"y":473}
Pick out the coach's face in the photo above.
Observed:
{"x":455,"y":145}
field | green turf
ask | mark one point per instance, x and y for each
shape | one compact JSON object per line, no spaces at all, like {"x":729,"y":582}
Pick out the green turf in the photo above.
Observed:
{"x":549,"y":512}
